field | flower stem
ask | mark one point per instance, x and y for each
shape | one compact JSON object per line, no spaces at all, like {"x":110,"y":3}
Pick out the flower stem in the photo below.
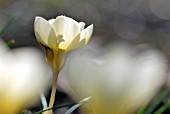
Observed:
{"x":57,"y":63}
{"x":54,"y":88}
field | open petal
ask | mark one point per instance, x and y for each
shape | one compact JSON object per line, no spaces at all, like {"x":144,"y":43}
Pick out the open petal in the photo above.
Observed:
{"x":76,"y":43}
{"x":51,"y":21}
{"x":52,"y":39}
{"x":42,"y":29}
{"x":39,"y":39}
{"x":81,"y":25}
{"x":86,"y":33}
{"x":66,"y":27}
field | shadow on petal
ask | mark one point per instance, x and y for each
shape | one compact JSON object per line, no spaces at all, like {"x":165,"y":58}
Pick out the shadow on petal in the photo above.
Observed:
{"x":76,"y":43}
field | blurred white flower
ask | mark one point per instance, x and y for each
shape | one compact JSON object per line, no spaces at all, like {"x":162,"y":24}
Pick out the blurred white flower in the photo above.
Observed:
{"x":120,"y":80}
{"x":23,"y":75}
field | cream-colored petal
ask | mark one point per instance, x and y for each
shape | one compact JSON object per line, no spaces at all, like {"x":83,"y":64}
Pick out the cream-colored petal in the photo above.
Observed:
{"x":66,"y":27}
{"x":81,"y":25}
{"x":51,"y":21}
{"x":52,"y":39}
{"x":39,"y":39}
{"x":42,"y":29}
{"x":86,"y":33}
{"x":76,"y":43}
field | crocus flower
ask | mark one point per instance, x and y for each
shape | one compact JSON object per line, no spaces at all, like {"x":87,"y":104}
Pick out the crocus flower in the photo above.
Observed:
{"x":120,"y":81}
{"x":61,"y":35}
{"x":58,"y":36}
{"x":22,"y":78}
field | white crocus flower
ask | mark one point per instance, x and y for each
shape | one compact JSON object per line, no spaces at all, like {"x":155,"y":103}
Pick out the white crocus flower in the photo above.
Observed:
{"x":62,"y":33}
{"x":58,"y":36}
{"x":120,"y":80}
{"x":23,"y":76}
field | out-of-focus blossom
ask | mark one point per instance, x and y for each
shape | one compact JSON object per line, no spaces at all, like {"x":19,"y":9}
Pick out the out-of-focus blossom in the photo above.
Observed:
{"x":120,"y":80}
{"x":60,"y":35}
{"x":23,"y":75}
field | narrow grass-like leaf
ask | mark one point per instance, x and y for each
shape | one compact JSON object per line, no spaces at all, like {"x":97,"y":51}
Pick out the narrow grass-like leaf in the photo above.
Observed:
{"x":43,"y":100}
{"x":151,"y":107}
{"x":163,"y":108}
{"x":85,"y":99}
{"x":7,"y":25}
{"x":56,"y":107}
{"x":142,"y":109}
{"x":77,"y":105}
{"x":73,"y":108}
{"x":63,"y":105}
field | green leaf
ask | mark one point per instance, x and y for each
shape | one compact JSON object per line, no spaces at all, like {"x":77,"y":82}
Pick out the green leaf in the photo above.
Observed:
{"x":142,"y":109}
{"x":77,"y":105}
{"x":43,"y":100}
{"x":73,"y":108}
{"x":63,"y":105}
{"x":163,"y":108}
{"x":10,"y":43}
{"x":55,"y":107}
{"x":157,"y":101}
{"x":7,"y":25}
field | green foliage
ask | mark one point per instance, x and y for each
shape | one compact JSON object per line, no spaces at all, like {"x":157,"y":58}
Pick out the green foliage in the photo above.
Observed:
{"x":163,"y":108}
{"x":74,"y":106}
{"x":7,"y":25}
{"x":10,"y":43}
{"x":148,"y":109}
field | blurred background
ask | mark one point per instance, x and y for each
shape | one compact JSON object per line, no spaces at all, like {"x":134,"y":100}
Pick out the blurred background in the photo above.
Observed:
{"x":133,"y":21}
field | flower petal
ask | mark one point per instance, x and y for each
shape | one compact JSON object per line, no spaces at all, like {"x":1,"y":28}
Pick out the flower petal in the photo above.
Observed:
{"x":51,"y":21}
{"x":52,"y":39}
{"x":42,"y":29}
{"x":86,"y":33}
{"x":81,"y":25}
{"x":66,"y":27}
{"x":76,"y":43}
